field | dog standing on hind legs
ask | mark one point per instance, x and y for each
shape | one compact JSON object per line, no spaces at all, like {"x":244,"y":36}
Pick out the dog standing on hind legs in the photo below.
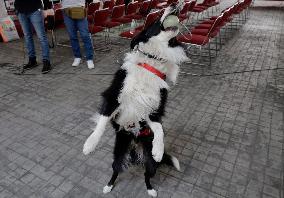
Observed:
{"x":135,"y":101}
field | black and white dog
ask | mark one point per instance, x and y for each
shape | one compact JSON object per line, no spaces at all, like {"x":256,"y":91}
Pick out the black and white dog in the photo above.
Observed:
{"x":135,"y":101}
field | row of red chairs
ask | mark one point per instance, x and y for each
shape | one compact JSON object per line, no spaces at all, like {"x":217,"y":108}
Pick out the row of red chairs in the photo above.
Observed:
{"x":205,"y":31}
{"x":112,"y":16}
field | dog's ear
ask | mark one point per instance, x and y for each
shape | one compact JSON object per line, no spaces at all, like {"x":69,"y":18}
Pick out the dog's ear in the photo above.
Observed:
{"x":153,"y":30}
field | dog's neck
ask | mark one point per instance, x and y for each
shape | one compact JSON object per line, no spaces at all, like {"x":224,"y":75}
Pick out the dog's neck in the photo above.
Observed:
{"x":152,"y":56}
{"x":162,"y":57}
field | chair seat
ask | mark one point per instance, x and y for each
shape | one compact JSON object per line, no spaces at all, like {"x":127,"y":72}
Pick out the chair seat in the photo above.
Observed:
{"x":122,"y":20}
{"x":198,"y":9}
{"x":193,"y":39}
{"x":182,"y":17}
{"x":134,"y":16}
{"x":210,"y":21}
{"x":203,"y":26}
{"x":214,"y":3}
{"x":93,"y":29}
{"x":129,"y":34}
{"x":204,"y":32}
{"x":204,"y":6}
{"x":161,"y":5}
{"x":110,"y":24}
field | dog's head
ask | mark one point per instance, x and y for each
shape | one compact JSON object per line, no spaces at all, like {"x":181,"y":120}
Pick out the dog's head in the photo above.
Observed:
{"x":165,"y":28}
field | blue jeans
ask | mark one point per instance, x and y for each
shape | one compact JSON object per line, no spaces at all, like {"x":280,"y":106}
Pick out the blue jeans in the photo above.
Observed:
{"x":81,"y":25}
{"x":36,"y":19}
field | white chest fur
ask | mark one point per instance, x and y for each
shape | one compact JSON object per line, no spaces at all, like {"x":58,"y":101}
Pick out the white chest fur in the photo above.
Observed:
{"x":140,"y":95}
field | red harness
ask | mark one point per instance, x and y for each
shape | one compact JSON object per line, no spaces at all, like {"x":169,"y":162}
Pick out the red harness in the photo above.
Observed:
{"x":153,"y":70}
{"x":145,"y":132}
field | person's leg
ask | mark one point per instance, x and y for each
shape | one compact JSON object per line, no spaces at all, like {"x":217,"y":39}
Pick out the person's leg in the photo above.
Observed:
{"x":28,"y":33}
{"x":38,"y":23}
{"x":72,"y":31}
{"x":86,"y":38}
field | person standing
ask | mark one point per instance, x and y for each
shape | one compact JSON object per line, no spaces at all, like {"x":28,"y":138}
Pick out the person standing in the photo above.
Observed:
{"x":75,"y":20}
{"x":30,"y":14}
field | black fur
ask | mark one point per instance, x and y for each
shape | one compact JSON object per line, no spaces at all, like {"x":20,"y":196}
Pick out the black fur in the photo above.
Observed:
{"x":124,"y":138}
{"x":110,"y":95}
{"x":157,"y":115}
{"x":153,"y":30}
{"x":124,"y":152}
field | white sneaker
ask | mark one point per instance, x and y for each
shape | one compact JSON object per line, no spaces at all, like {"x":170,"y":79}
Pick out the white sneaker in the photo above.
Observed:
{"x":76,"y":62}
{"x":90,"y":64}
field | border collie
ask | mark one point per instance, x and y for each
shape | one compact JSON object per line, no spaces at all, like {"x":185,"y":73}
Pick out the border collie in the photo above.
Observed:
{"x":135,"y":101}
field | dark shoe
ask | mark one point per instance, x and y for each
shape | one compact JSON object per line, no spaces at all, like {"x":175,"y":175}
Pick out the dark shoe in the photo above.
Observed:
{"x":46,"y":67}
{"x":31,"y":64}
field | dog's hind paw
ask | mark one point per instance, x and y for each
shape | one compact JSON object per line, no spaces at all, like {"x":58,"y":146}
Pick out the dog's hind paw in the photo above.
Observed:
{"x":158,"y":151}
{"x":152,"y":193}
{"x":107,"y":189}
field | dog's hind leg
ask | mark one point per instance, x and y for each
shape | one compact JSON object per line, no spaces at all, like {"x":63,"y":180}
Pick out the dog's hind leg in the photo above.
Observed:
{"x":150,"y":167}
{"x":122,"y":143}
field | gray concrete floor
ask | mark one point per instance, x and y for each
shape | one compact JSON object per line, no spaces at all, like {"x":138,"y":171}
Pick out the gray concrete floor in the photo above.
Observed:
{"x":225,"y":126}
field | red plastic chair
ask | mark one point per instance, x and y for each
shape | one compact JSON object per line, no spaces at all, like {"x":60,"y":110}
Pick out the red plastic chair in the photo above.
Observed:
{"x":131,"y":10}
{"x":119,"y":2}
{"x":98,"y":25}
{"x":93,"y":7}
{"x":118,"y":15}
{"x":165,"y":4}
{"x":149,"y":20}
{"x":184,"y":12}
{"x":201,"y":38}
{"x":57,"y":6}
{"x":94,"y":22}
{"x":58,"y":17}
{"x":143,"y":11}
{"x":153,"y":4}
{"x":108,"y":4}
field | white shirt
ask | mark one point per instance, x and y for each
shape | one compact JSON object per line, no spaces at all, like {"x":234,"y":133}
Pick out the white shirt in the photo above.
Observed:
{"x":72,"y":3}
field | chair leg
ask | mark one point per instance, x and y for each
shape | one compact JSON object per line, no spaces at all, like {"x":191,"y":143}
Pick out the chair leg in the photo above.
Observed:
{"x":209,"y":52}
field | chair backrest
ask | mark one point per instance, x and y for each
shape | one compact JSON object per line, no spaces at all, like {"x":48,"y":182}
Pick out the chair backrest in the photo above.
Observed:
{"x":216,"y":23}
{"x":153,"y":4}
{"x":93,"y":7}
{"x":101,"y":16}
{"x":58,"y":18}
{"x":169,"y":2}
{"x":144,"y":9}
{"x":58,"y":15}
{"x":191,"y":6}
{"x":108,"y":4}
{"x":132,"y":8}
{"x":184,"y":10}
{"x":205,"y":2}
{"x":151,"y":18}
{"x":57,"y":6}
{"x":118,"y":11}
{"x":119,"y":2}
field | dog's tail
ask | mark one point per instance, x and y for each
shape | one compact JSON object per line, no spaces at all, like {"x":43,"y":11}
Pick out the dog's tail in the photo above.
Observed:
{"x":171,"y":161}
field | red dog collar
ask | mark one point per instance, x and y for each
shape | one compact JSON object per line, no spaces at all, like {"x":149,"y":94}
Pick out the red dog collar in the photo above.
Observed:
{"x":153,"y":70}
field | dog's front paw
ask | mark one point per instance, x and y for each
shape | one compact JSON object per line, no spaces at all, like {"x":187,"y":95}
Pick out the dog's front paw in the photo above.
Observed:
{"x":107,"y":189}
{"x":89,"y":145}
{"x":152,"y":193}
{"x":158,"y":151}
